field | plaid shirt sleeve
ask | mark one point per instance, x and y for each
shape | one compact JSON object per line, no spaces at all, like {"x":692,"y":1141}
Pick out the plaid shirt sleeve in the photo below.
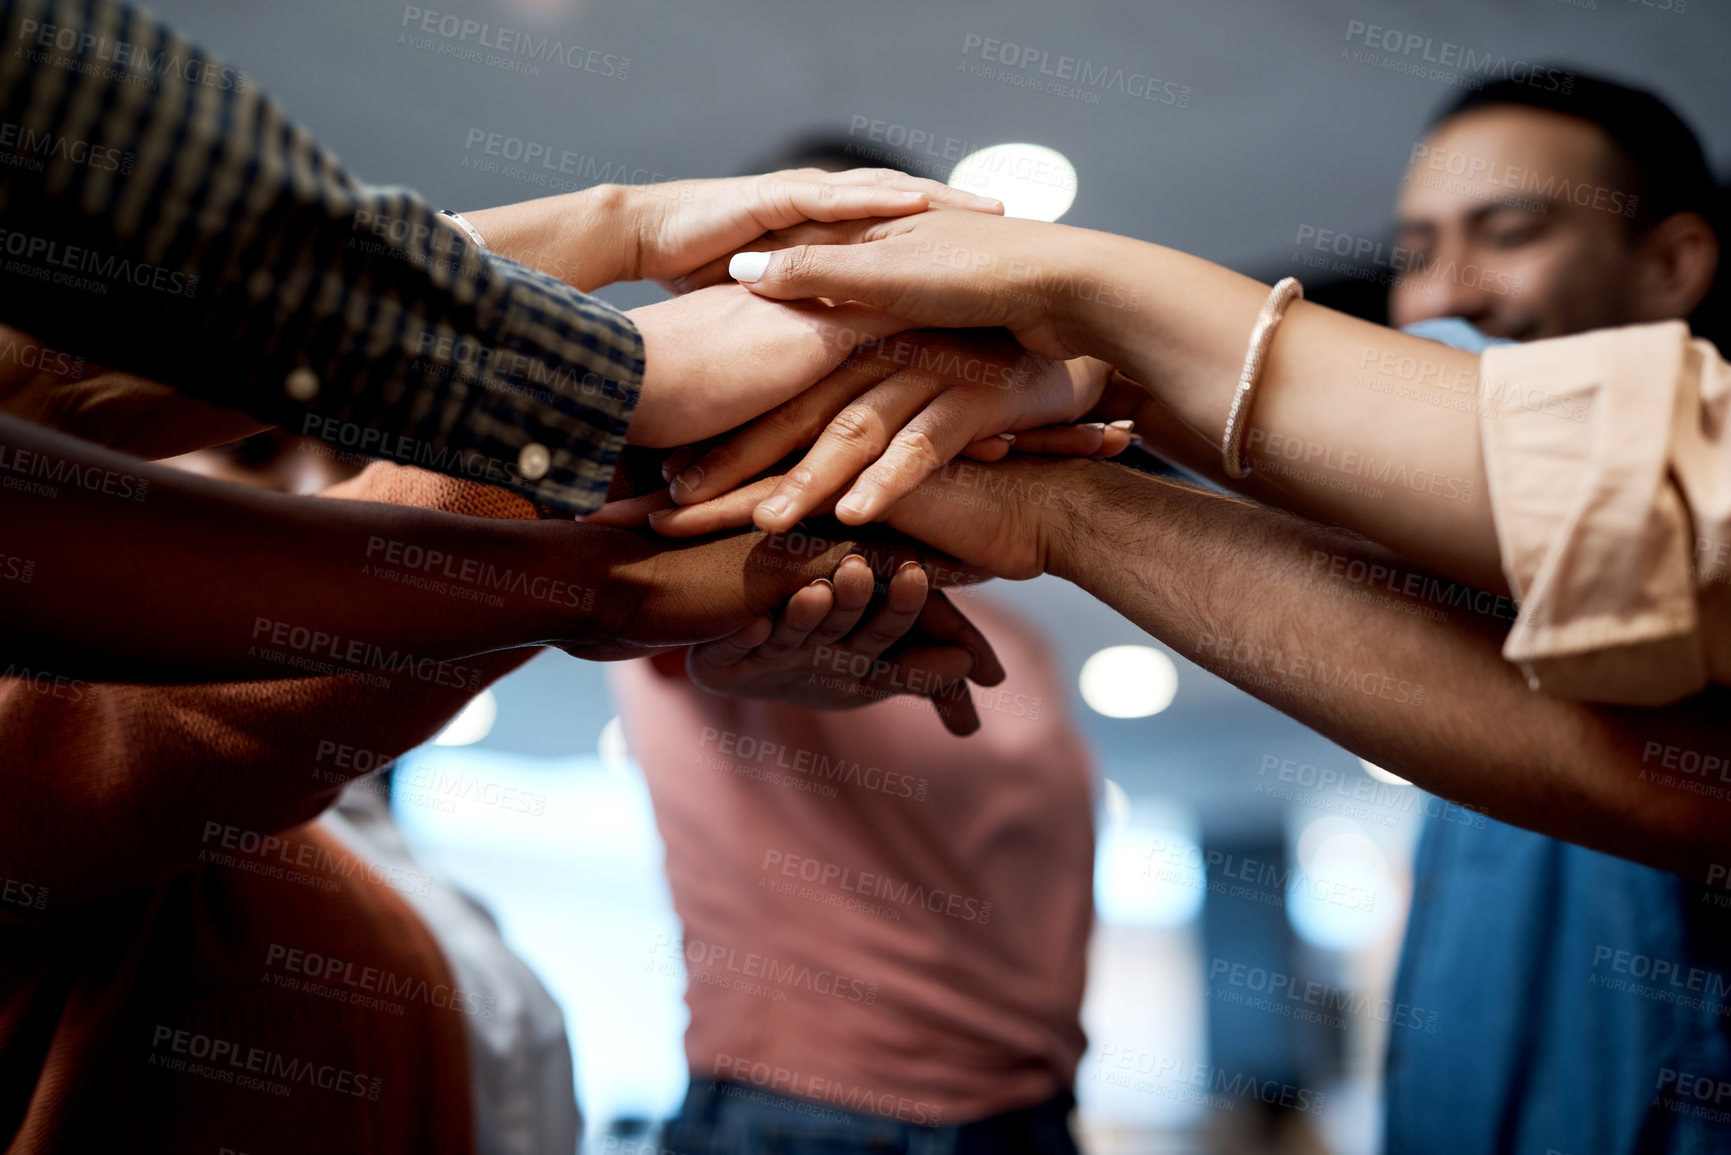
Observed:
{"x":159,"y":216}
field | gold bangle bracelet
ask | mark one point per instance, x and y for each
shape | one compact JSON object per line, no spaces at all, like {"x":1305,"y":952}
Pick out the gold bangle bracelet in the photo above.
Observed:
{"x":1238,"y":418}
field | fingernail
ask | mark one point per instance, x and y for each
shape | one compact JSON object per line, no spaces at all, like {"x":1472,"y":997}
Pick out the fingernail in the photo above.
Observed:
{"x":690,"y":479}
{"x":909,"y":565}
{"x":1007,"y":437}
{"x":773,"y":507}
{"x":1125,"y":424}
{"x":824,"y":582}
{"x":852,"y":503}
{"x":1100,"y":425}
{"x":747,"y":266}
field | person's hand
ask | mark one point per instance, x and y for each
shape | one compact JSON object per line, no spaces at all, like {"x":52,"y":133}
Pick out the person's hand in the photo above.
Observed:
{"x":679,"y":233}
{"x":720,"y":356}
{"x":1000,"y":520}
{"x":946,"y":269}
{"x":825,"y":653}
{"x":901,"y":409}
{"x":685,"y":228}
{"x":658,"y":594}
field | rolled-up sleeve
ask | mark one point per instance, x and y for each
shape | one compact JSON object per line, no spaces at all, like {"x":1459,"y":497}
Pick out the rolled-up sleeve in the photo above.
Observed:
{"x":1609,"y":473}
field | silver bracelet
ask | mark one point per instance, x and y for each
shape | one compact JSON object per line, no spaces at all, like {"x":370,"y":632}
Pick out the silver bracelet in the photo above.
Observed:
{"x":473,"y":233}
{"x":1238,"y":418}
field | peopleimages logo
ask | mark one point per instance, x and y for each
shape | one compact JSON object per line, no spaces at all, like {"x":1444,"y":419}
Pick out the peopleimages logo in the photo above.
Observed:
{"x":1084,"y":74}
{"x":521,"y":50}
{"x":1410,"y":52}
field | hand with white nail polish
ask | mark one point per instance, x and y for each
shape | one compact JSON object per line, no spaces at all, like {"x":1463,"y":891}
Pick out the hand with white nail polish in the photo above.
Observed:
{"x":679,"y":233}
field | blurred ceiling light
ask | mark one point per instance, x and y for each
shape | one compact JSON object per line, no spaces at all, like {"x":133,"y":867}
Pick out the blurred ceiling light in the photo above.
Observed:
{"x":1150,"y":872}
{"x":1382,"y":775}
{"x":472,"y":723}
{"x":1033,"y":181}
{"x":1129,"y":681}
{"x":611,"y":749}
{"x":1116,"y":804}
{"x":1342,"y":895}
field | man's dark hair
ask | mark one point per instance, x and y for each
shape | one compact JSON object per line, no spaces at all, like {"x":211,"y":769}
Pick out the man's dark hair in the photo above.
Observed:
{"x":1655,"y":155}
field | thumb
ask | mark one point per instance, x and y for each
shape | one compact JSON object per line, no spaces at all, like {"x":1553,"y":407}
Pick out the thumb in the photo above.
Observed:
{"x":841,"y":272}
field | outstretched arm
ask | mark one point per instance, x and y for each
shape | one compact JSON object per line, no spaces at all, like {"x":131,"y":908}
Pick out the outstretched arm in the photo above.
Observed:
{"x":133,"y":572}
{"x":1391,"y":661}
{"x":1324,"y":428}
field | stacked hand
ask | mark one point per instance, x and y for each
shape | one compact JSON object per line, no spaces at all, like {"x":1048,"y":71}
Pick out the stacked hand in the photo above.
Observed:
{"x":744,"y":382}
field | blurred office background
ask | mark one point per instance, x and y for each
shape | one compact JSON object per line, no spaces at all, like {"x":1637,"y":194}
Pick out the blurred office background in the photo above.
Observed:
{"x":1272,"y":128}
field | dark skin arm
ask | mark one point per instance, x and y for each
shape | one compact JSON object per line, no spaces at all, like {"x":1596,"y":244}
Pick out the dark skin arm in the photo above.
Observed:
{"x":143,"y":591}
{"x":1264,"y":600}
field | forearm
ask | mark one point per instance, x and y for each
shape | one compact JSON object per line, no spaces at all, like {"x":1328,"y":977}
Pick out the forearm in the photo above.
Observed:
{"x":223,"y":253}
{"x":1333,"y":424}
{"x":583,"y":238}
{"x":139,"y":573}
{"x":1279,"y":608}
{"x":113,"y":786}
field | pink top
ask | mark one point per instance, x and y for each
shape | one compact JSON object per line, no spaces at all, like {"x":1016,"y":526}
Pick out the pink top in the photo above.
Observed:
{"x":878,"y":915}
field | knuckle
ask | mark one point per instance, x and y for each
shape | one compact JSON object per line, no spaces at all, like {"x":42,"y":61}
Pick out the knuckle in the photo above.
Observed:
{"x":800,"y":263}
{"x":916,"y":447}
{"x":856,"y":427}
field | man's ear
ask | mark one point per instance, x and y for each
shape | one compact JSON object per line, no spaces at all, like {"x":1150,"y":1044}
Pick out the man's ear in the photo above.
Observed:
{"x":1679,"y":258}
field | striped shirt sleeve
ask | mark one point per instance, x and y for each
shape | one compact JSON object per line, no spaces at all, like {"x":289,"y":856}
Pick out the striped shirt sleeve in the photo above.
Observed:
{"x":158,"y":215}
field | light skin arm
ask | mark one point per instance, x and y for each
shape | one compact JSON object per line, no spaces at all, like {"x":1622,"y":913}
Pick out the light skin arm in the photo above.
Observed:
{"x":680,"y":233}
{"x":1180,"y":326}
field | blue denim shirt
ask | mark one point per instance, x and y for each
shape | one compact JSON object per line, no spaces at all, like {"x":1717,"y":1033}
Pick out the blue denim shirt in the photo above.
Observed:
{"x":1583,"y":1002}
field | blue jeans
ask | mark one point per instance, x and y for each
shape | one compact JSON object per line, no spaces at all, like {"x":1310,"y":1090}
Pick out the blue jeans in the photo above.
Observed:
{"x":721,"y":1118}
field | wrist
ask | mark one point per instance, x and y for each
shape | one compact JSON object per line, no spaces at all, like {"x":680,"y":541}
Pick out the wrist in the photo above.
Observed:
{"x":584,"y":238}
{"x":1104,"y":302}
{"x":574,"y":589}
{"x":1083,"y":543}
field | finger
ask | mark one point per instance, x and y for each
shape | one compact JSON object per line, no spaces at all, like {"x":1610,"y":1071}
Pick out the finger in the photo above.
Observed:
{"x":629,"y":513}
{"x":957,"y":713}
{"x":989,"y":449}
{"x":733,"y":649}
{"x":844,"y":272}
{"x":942,"y":668}
{"x":857,"y":436}
{"x":946,"y":666}
{"x":803,"y":612}
{"x":926,"y":443}
{"x":857,"y":195}
{"x":903,"y":601}
{"x":805,"y":233}
{"x":676,"y":461}
{"x":1088,"y":440}
{"x":771,"y":437}
{"x":729,"y":511}
{"x":854,"y":586}
{"x":942,"y":621}
{"x":936,"y":192}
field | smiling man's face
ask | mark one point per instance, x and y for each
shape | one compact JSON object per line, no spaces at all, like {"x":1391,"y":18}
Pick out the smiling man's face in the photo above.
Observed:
{"x":1515,"y":219}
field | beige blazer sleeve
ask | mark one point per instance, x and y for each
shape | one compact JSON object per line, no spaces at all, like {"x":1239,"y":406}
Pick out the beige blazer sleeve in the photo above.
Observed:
{"x":1609,"y":471}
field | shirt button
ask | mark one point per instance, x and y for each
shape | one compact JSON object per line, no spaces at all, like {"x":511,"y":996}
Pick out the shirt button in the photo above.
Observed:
{"x":534,"y":461}
{"x":302,"y":384}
